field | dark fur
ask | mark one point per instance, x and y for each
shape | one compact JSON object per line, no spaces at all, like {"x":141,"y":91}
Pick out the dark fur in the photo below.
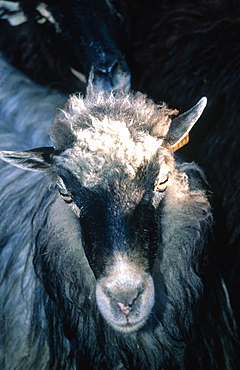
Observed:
{"x":179,"y":52}
{"x":87,"y":36}
{"x":50,"y":258}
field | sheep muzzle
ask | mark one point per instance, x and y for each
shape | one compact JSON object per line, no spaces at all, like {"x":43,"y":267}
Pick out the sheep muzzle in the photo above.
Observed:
{"x":125,"y":296}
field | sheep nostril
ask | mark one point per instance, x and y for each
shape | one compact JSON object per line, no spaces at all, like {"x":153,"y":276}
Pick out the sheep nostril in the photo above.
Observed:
{"x":124,"y":300}
{"x":107,"y":69}
{"x":115,"y":67}
{"x":124,"y":308}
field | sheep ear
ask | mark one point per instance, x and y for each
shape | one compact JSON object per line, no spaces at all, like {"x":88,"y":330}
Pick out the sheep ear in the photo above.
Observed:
{"x":181,"y":125}
{"x":38,"y":159}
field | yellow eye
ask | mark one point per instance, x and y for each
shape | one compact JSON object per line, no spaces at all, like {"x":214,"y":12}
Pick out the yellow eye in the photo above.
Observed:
{"x":161,"y":184}
{"x":66,"y":197}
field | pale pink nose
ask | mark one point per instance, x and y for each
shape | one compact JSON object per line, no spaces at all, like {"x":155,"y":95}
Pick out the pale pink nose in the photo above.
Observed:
{"x":125,"y":309}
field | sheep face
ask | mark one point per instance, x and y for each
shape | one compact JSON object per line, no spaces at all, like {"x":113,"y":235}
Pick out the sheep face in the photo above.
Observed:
{"x":116,"y":175}
{"x":90,"y":32}
{"x":119,"y":215}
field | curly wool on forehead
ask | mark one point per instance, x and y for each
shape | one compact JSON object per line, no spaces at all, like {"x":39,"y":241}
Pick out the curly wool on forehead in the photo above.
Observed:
{"x":109,"y":132}
{"x":97,"y":153}
{"x":139,"y":114}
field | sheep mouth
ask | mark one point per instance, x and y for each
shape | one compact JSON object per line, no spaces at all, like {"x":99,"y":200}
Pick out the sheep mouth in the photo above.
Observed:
{"x":128,"y":326}
{"x":118,"y":80}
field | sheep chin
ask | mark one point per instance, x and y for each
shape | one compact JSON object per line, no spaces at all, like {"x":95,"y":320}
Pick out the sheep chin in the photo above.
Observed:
{"x":128,"y":328}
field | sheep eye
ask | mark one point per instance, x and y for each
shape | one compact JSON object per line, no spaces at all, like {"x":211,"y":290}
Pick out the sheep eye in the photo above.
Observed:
{"x":161,"y":184}
{"x":66,"y":197}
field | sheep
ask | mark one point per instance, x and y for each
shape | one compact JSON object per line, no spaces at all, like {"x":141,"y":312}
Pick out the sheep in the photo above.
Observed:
{"x":19,"y":127}
{"x":104,"y":256}
{"x":183,"y":50}
{"x":58,"y":43}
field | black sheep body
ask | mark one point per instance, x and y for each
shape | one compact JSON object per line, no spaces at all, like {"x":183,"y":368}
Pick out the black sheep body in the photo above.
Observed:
{"x":117,"y":273}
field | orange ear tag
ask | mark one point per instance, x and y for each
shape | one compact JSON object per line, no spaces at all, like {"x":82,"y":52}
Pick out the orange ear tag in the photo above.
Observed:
{"x":181,"y":143}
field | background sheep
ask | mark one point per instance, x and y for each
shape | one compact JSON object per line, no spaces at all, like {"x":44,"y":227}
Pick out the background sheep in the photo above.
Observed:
{"x":26,"y":109}
{"x":124,"y":275}
{"x":180,"y":51}
{"x":58,"y":42}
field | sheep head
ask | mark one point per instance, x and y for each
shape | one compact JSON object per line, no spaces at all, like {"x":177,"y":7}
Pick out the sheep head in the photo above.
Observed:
{"x":113,"y":164}
{"x":83,"y":37}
